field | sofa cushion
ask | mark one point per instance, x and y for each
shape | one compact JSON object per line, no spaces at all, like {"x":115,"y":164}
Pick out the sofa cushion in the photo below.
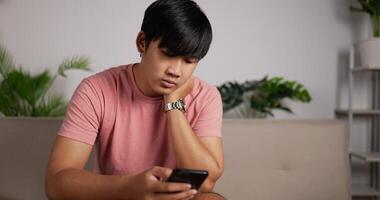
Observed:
{"x":285,"y":159}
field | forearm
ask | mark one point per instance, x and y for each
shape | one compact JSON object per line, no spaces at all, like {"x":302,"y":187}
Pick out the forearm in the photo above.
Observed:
{"x":189,"y":151}
{"x":80,"y":184}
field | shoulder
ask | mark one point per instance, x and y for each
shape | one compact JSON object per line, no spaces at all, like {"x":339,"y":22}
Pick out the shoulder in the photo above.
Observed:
{"x":107,"y":77}
{"x":109,"y":80}
{"x":103,"y":84}
{"x":205,"y":109}
{"x":203,"y":90}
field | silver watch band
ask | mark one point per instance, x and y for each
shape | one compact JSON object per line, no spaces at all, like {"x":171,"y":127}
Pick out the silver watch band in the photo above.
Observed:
{"x":179,"y":104}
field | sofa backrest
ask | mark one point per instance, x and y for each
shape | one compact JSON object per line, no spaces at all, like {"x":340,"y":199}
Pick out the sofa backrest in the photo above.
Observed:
{"x":264,"y":159}
{"x":285,"y":160}
{"x":25,"y":145}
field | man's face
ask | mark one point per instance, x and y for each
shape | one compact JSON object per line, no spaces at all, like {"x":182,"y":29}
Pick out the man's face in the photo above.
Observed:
{"x":162,"y":74}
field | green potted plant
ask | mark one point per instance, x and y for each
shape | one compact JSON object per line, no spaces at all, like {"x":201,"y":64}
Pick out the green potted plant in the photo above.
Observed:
{"x":30,"y":117}
{"x":369,"y":48}
{"x":26,"y":95}
{"x":258,"y":98}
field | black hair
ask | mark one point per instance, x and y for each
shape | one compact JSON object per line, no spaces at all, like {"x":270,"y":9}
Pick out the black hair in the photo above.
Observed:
{"x":180,"y":25}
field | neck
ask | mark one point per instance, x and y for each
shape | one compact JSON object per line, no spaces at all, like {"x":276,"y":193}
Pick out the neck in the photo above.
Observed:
{"x":141,"y":80}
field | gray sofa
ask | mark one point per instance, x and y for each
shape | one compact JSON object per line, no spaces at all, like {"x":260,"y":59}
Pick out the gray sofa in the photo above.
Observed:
{"x":285,"y":160}
{"x":264,"y":159}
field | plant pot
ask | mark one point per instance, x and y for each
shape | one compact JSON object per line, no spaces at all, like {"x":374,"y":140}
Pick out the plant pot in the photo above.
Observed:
{"x":369,"y":51}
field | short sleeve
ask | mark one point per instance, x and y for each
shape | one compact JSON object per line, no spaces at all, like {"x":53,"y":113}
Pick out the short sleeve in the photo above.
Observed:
{"x":82,"y":120}
{"x":209,"y":121}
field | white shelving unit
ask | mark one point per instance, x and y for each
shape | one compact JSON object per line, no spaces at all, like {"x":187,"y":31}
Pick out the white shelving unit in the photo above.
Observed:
{"x":372,"y":158}
{"x":359,"y":190}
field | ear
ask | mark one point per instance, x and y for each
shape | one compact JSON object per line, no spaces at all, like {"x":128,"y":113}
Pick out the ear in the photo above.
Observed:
{"x":140,"y":42}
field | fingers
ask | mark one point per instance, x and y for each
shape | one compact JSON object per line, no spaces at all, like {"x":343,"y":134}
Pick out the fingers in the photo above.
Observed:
{"x":169,"y":190}
{"x":161,"y":172}
{"x":166,"y":187}
{"x":189,"y":194}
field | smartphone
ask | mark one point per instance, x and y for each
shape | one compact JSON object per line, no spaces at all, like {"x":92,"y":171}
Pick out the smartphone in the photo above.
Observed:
{"x":191,"y":176}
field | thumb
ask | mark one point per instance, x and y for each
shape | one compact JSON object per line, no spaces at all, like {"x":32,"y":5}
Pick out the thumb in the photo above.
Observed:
{"x":161,"y":173}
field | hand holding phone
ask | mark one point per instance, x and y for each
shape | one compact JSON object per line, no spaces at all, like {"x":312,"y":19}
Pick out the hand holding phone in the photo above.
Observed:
{"x":149,"y":185}
{"x":191,"y":176}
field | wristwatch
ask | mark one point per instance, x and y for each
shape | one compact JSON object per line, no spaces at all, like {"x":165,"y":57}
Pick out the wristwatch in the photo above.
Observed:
{"x":179,"y":104}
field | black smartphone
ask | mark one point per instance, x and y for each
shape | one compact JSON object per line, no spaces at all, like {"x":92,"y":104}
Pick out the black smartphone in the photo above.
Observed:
{"x":191,"y":176}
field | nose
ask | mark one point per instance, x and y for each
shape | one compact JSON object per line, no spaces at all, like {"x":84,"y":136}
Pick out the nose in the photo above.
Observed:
{"x":174,"y":68}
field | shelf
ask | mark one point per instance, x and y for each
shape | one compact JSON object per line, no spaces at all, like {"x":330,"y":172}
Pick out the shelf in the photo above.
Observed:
{"x":365,"y":69}
{"x":367,"y":156}
{"x":351,"y":112}
{"x":359,"y":112}
{"x":361,"y":190}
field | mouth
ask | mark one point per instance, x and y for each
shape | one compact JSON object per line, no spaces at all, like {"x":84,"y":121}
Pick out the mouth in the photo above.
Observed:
{"x":168,"y":83}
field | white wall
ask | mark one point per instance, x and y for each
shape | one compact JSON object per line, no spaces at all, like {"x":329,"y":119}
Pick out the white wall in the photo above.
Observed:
{"x":301,"y":40}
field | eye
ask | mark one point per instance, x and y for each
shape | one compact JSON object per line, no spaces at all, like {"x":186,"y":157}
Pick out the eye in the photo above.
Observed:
{"x":191,"y":60}
{"x":167,"y":53}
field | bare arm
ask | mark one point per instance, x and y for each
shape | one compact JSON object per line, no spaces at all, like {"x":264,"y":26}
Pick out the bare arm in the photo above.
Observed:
{"x":194,"y":152}
{"x":66,"y":179}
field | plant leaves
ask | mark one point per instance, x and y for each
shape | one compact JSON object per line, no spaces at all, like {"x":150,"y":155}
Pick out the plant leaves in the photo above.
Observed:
{"x":232,"y":94}
{"x":6,"y":62}
{"x":263,"y":95}
{"x":23,"y":94}
{"x":53,"y":107}
{"x":77,"y":62}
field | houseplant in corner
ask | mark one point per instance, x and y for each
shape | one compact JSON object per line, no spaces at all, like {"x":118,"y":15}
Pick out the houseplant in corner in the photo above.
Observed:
{"x":258,"y":98}
{"x":369,"y":48}
{"x":29,"y":126}
{"x":23,"y":94}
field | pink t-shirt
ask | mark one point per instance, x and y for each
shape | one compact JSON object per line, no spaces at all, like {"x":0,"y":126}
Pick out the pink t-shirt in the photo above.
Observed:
{"x":129,"y":128}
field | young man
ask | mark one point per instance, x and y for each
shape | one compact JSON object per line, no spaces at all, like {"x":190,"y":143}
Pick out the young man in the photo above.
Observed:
{"x":136,"y":116}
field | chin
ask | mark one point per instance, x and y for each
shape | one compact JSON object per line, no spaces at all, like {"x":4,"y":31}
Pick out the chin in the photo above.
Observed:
{"x":164,"y":91}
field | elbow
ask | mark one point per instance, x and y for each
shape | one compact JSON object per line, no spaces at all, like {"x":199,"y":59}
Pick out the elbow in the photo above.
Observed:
{"x":209,"y":184}
{"x":51,"y":190}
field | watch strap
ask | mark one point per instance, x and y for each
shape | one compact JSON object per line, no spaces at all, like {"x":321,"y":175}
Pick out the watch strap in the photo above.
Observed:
{"x":179,"y":105}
